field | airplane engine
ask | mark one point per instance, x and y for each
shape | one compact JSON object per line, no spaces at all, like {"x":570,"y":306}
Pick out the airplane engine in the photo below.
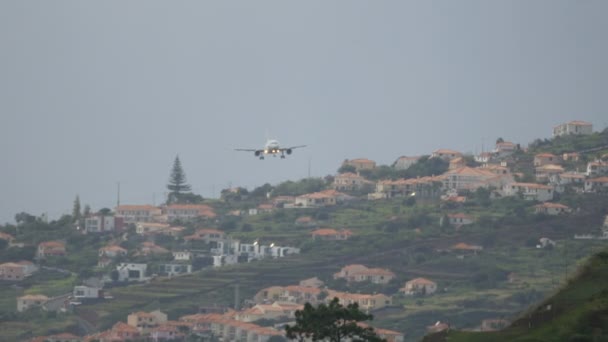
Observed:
{"x":288,"y":151}
{"x":257,"y":153}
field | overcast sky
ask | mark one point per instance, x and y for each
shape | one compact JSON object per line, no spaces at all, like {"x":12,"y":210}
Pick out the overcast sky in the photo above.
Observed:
{"x":95,"y":93}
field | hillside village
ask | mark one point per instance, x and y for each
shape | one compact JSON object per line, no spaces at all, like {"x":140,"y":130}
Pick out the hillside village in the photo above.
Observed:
{"x":360,"y":224}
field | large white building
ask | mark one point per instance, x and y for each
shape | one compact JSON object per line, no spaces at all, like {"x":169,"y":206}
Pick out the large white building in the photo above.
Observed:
{"x":529,"y":191}
{"x":573,"y":127}
{"x":102,"y":223}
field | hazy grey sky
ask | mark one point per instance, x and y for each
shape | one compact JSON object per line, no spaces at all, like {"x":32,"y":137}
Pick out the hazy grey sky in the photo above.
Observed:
{"x":92,"y":93}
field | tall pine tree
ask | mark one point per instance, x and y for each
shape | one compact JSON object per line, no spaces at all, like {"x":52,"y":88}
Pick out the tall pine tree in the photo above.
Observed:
{"x":76,"y":215}
{"x":177,"y":182}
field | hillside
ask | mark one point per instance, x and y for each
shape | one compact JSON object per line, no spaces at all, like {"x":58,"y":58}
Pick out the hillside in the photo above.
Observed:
{"x":577,"y":312}
{"x":503,"y":268}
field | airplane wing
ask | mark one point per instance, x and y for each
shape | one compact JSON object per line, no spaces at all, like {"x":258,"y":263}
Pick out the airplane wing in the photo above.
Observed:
{"x":247,"y":149}
{"x":293,"y":147}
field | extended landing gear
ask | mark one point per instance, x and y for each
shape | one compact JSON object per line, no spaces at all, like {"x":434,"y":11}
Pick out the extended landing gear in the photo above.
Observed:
{"x":261,"y":157}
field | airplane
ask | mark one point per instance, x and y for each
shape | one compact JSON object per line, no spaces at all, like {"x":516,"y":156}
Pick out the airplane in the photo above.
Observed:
{"x":271,"y":147}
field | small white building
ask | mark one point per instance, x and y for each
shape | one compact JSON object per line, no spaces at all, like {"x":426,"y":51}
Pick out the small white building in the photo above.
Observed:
{"x":529,"y":191}
{"x":131,"y":272}
{"x":102,"y":224}
{"x":551,"y":208}
{"x":175,"y":269}
{"x":419,"y":286}
{"x":182,"y":256}
{"x":87,"y":292}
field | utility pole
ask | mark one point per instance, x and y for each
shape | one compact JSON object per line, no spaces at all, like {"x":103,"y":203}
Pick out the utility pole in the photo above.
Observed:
{"x":117,"y":194}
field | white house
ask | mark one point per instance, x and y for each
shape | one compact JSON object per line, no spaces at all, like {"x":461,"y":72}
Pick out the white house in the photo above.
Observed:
{"x":87,"y":292}
{"x":102,"y":223}
{"x":446,"y":154}
{"x":529,"y":191}
{"x":551,"y":208}
{"x":419,"y":286}
{"x":573,"y":127}
{"x":182,"y":256}
{"x":596,"y":168}
{"x":131,"y":272}
{"x":596,"y":184}
{"x":138,"y":213}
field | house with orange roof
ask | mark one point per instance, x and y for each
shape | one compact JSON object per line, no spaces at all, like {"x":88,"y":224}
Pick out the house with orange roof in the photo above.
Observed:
{"x":505,"y":148}
{"x":272,"y":311}
{"x":7,"y":237}
{"x":30,"y":301}
{"x":545,"y":172}
{"x":112,"y":251}
{"x":545,"y":159}
{"x":459,"y":219}
{"x":138,"y":213}
{"x":596,"y":168}
{"x":366,"y":302}
{"x":16,"y":271}
{"x":404,"y":162}
{"x":529,"y":191}
{"x":144,"y":321}
{"x":349,"y":181}
{"x":465,"y":247}
{"x":305,"y":221}
{"x":360,"y":164}
{"x":312,"y":282}
{"x":421,"y":286}
{"x":50,"y":248}
{"x":576,"y":127}
{"x":568,"y":178}
{"x":571,"y":156}
{"x":166,"y":332}
{"x":599,"y":184}
{"x":549,"y":208}
{"x":388,"y":335}
{"x":446,"y":154}
{"x":321,"y":199}
{"x":148,"y":228}
{"x":209,"y":235}
{"x":188,"y":212}
{"x":331,"y":234}
{"x":468,"y":178}
{"x":301,"y":294}
{"x":457,"y":163}
{"x":119,"y":332}
{"x":269,"y":294}
{"x":422,"y":187}
{"x":150,"y":248}
{"x":359,"y":273}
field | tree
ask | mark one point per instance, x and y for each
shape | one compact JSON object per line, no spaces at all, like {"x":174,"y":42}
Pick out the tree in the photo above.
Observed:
{"x":177,"y":182}
{"x":347,"y":168}
{"x":87,"y":210}
{"x":76,"y":215}
{"x":331,"y":322}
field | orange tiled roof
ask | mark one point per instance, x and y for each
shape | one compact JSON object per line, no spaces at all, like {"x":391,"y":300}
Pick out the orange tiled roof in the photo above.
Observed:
{"x":52,"y":244}
{"x":5,"y":236}
{"x":34,"y":297}
{"x":446,"y":151}
{"x":545,"y":155}
{"x":460,"y":215}
{"x":331,"y":231}
{"x":131,"y":207}
{"x":552,"y":205}
{"x":464,"y":246}
{"x":598,"y":180}
{"x":421,"y":281}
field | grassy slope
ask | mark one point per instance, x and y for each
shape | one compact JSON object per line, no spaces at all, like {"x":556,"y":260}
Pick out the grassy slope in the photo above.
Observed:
{"x":578,"y":312}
